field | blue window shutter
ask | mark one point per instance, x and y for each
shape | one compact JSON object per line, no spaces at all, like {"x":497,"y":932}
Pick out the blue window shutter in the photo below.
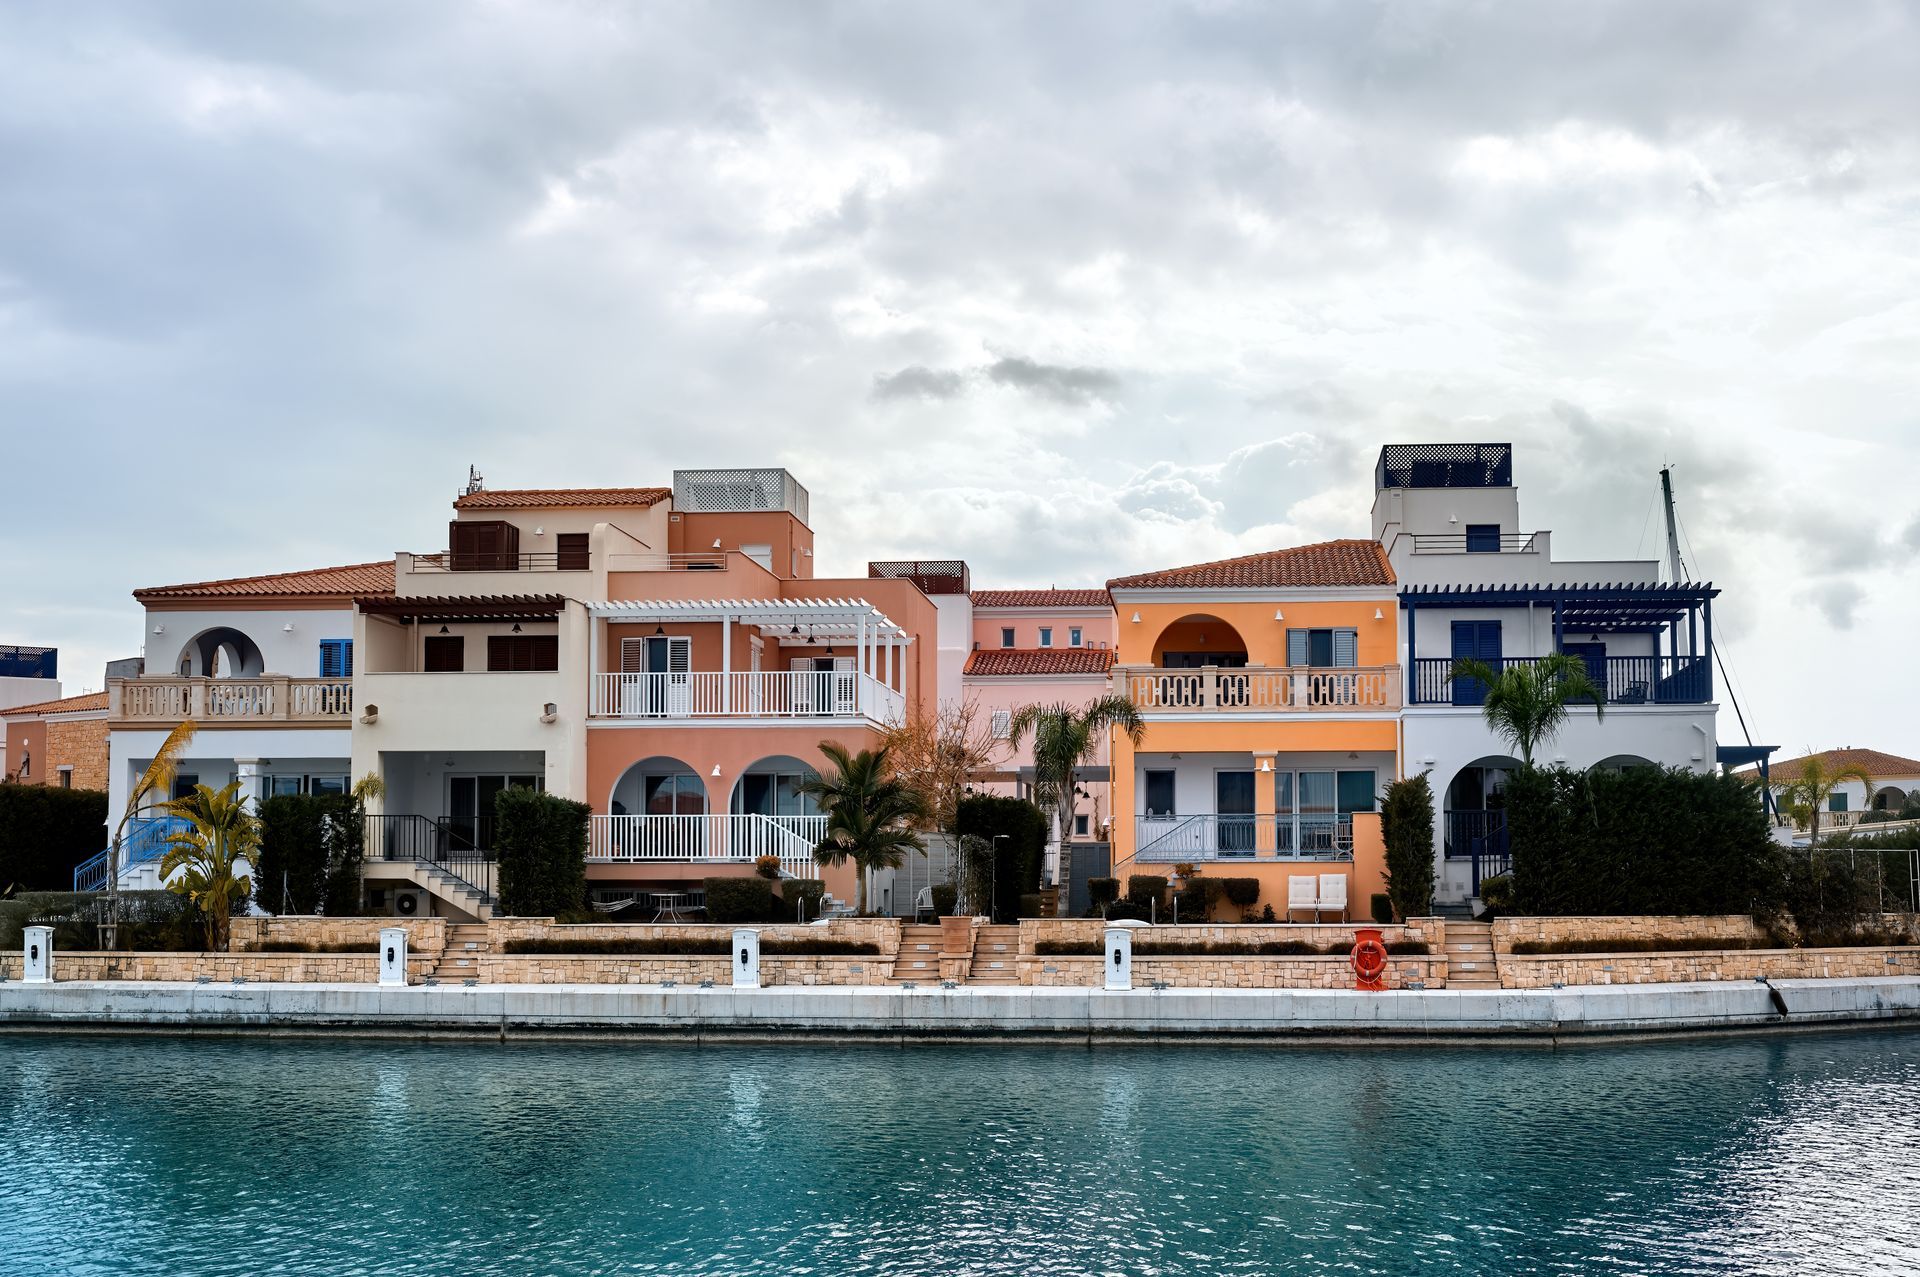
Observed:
{"x":1296,"y":647}
{"x":1346,"y":648}
{"x":336,"y":658}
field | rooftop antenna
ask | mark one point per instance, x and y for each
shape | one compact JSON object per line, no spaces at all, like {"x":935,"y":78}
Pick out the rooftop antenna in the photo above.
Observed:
{"x":475,"y":482}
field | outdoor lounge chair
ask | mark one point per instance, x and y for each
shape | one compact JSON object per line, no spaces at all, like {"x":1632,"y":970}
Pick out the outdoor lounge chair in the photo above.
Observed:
{"x":1302,"y":893}
{"x":1333,"y":895}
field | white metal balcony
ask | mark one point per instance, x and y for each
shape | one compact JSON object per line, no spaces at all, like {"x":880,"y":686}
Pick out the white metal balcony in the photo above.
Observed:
{"x":708,"y":838}
{"x":769,"y":694}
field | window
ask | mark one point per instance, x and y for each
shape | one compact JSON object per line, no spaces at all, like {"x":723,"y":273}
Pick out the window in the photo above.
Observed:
{"x":1082,"y":824}
{"x":761,"y":554}
{"x":1006,"y":636}
{"x":1046,"y":636}
{"x":1483,"y":538}
{"x":66,"y":778}
{"x":336,"y":658}
{"x":773,"y":794}
{"x":1073,"y":636}
{"x":327,"y":785}
{"x":1837,"y":800}
{"x":183,"y":783}
{"x":572,"y":553}
{"x":1002,"y":723}
{"x":1159,"y":796}
{"x":445,"y":654}
{"x":514,"y":652}
{"x":1323,"y":649}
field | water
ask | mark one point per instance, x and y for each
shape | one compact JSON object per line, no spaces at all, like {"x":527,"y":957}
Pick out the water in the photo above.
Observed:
{"x":1783,"y":1155}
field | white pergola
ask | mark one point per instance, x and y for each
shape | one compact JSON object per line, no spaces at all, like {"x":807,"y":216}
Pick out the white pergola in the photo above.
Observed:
{"x":879,"y":643}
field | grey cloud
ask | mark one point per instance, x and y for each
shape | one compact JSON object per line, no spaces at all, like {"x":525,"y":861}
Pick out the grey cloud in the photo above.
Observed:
{"x":1837,"y":600}
{"x":1072,"y":386}
{"x":918,"y":382}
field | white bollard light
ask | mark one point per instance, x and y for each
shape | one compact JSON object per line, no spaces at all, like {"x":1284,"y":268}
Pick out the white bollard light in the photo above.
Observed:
{"x":393,"y":955}
{"x":1119,"y":949}
{"x":39,"y":956}
{"x":746,"y":958}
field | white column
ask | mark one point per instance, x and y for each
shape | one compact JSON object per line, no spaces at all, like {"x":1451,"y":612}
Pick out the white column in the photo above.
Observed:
{"x":595,"y":625}
{"x":726,"y":663}
{"x":247,"y":772}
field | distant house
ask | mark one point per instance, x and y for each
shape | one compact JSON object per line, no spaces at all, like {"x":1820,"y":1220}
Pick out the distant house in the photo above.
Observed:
{"x":61,"y":742}
{"x":1895,"y":779}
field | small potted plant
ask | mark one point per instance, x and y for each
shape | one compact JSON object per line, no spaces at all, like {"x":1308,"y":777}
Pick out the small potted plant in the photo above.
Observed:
{"x":767,"y":866}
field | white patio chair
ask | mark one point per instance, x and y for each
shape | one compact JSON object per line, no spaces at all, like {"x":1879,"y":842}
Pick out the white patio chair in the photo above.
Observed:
{"x":1333,"y":895}
{"x":923,"y":904}
{"x":1302,"y":893}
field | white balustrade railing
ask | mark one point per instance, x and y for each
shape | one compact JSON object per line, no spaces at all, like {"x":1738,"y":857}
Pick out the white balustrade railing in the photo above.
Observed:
{"x":1255,"y":689}
{"x":709,"y":837}
{"x":268,"y":698}
{"x":1306,"y":835}
{"x":746,"y":694}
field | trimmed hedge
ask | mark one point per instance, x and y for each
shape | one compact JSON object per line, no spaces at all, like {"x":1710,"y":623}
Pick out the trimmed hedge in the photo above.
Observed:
{"x":1017,"y":860}
{"x":692,"y":947}
{"x":150,"y":921}
{"x":301,"y":946}
{"x":311,"y":849}
{"x":45,"y":831}
{"x":1103,"y":891}
{"x":1244,"y":892}
{"x":946,"y":898}
{"x":541,"y":841}
{"x":1146,"y":889}
{"x":1382,"y":907}
{"x":1033,"y":904}
{"x":757,"y":900}
{"x":1406,"y":822}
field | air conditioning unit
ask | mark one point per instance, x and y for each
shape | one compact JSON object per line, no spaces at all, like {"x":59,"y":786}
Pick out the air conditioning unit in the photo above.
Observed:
{"x":409,"y":904}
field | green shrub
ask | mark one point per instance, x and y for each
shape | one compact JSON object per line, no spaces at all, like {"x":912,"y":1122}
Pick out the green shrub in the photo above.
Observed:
{"x":740,"y":900}
{"x":1033,"y":904}
{"x":1123,"y":911}
{"x":1406,"y":823}
{"x":541,"y":841}
{"x":153,"y":921}
{"x":690,"y":946}
{"x":301,"y":946}
{"x":1408,"y":948}
{"x":1381,"y":905}
{"x":1016,"y":868}
{"x":946,"y":898}
{"x":1146,"y":889}
{"x":311,"y":849}
{"x":1194,"y":901}
{"x":44,"y":832}
{"x":1103,"y":891}
{"x":1067,"y":948}
{"x":795,"y":890}
{"x":1496,"y":895}
{"x":1643,"y":840}
{"x":1244,"y":892}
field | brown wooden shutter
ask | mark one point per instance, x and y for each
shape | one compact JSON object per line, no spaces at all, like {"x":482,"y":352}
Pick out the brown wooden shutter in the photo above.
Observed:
{"x":483,"y":546}
{"x":572,"y":547}
{"x":446,"y":654}
{"x":511,"y":652}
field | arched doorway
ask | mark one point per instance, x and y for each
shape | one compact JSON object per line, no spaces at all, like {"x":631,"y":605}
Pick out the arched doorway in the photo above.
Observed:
{"x":658,"y":811}
{"x":1889,"y":798}
{"x":221,"y":652}
{"x":1474,"y":816}
{"x":772,"y":787}
{"x":1621,"y":762}
{"x":769,"y":815}
{"x":1198,"y":640}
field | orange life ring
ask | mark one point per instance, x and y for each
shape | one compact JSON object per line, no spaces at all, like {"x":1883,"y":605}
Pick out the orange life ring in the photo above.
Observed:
{"x":1369,"y":961}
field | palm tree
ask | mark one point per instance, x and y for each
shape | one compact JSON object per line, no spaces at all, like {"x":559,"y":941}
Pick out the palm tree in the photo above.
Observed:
{"x":1527,"y":703}
{"x":155,"y":781}
{"x":870,"y":814}
{"x":221,"y":833}
{"x":1065,"y":738}
{"x":1805,"y":796}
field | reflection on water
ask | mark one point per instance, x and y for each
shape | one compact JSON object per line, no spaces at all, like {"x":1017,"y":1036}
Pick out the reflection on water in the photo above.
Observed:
{"x":1793,"y":1154}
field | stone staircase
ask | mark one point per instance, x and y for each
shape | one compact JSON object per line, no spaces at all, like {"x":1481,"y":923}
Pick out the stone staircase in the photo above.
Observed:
{"x":996,"y":956}
{"x":460,"y":960}
{"x":919,"y":960}
{"x":1471,"y":961}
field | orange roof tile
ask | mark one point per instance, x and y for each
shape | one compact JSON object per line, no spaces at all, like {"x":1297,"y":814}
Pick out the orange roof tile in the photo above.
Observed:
{"x":1010,"y":662}
{"x":66,"y":705}
{"x":344,"y":582}
{"x":548,"y":498}
{"x":1874,"y":762}
{"x":1329,"y":563}
{"x":1041,"y":598}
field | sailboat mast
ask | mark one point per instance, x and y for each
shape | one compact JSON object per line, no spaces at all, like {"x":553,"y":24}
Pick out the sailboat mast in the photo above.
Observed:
{"x":1673,"y":537}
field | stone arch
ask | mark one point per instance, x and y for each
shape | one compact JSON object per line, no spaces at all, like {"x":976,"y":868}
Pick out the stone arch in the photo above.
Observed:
{"x":1888,"y":798}
{"x":221,"y":652}
{"x":1621,"y":762}
{"x":1472,"y":805}
{"x":1197,"y":639}
{"x":768,"y":787}
{"x":660,"y":785}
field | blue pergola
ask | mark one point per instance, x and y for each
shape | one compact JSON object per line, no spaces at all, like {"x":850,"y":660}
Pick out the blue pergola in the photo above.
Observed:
{"x":1667,"y":611}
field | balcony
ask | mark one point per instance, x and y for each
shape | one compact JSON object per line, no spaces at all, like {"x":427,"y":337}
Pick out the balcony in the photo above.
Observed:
{"x":767,"y":694}
{"x":1444,"y":465}
{"x":1209,"y":837}
{"x":164,"y":700}
{"x":1260,"y":690}
{"x":706,"y":838}
{"x":1626,"y":680}
{"x":1475,"y":543}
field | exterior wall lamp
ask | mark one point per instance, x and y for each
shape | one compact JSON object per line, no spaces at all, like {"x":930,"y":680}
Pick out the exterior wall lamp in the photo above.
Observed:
{"x":1278,"y":615}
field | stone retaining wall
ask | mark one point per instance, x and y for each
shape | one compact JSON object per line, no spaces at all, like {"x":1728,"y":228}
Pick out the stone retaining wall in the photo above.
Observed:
{"x":1201,"y":971}
{"x":572,"y":968}
{"x":882,"y":932}
{"x":1090,"y":930}
{"x":1737,"y":926}
{"x":265,"y":968}
{"x":1539,"y":971}
{"x":425,"y":936}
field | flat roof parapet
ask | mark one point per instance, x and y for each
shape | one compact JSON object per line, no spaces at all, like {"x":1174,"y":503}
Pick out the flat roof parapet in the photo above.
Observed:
{"x":1444,"y":465}
{"x":738,"y":492}
{"x":933,"y":576}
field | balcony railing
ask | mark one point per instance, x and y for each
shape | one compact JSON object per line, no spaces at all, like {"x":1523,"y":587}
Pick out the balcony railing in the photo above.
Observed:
{"x":270,"y":698}
{"x":1627,"y":680}
{"x":1286,"y":836}
{"x":1255,"y":690}
{"x":1463,"y":543}
{"x":708,"y":838}
{"x":498,"y":561}
{"x":766,"y":694}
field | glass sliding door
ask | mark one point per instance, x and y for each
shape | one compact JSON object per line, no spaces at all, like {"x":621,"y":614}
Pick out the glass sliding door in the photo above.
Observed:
{"x":1233,"y":807}
{"x":1319,"y":811}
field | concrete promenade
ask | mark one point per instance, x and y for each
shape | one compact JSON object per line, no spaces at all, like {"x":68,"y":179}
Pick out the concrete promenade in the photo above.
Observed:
{"x":960,"y":1014}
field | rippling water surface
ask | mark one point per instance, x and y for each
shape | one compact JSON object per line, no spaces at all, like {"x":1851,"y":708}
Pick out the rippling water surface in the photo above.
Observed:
{"x":1782,"y":1155}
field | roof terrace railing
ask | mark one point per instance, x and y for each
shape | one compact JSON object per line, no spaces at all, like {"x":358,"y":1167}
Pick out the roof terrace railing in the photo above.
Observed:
{"x":933,"y":576}
{"x":1444,"y":465}
{"x":1469,"y":543}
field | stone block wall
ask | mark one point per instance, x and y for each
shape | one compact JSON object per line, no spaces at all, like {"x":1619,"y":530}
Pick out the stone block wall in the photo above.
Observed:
{"x":425,"y":936}
{"x":881,"y":932}
{"x":264,"y":968}
{"x":1539,"y":971}
{"x":82,"y":745}
{"x":1201,"y":971}
{"x":1090,"y":930}
{"x":586,"y":968}
{"x":1738,"y":926}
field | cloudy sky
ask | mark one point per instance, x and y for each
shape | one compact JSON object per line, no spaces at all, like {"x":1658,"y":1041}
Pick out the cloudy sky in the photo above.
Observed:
{"x":1066,"y":290}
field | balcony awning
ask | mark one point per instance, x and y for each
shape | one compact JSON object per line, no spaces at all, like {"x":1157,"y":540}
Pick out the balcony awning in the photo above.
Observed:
{"x":464,"y":607}
{"x":1594,"y":607}
{"x":824,"y":618}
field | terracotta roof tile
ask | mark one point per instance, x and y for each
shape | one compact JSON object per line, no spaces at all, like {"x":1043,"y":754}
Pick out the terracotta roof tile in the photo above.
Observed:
{"x":1329,"y":563}
{"x":345,"y":582}
{"x":66,"y":705}
{"x":549,"y":498}
{"x":1875,"y":762}
{"x":1041,"y":598}
{"x":1008,"y":662}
